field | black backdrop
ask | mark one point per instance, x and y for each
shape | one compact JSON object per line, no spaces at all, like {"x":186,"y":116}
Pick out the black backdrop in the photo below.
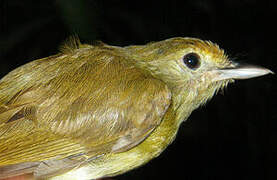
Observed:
{"x":234,"y":135}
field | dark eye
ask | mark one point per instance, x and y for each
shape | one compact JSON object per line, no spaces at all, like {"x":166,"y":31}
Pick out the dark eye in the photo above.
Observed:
{"x":192,"y":60}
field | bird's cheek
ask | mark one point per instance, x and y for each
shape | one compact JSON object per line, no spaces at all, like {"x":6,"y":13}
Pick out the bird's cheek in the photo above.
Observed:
{"x":212,"y":76}
{"x":205,"y":79}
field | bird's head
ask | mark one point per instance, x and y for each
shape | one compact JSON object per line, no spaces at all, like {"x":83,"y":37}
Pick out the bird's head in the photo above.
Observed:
{"x":193,"y":69}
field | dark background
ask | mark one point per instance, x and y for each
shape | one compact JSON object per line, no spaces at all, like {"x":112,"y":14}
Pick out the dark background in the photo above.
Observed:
{"x":234,"y":135}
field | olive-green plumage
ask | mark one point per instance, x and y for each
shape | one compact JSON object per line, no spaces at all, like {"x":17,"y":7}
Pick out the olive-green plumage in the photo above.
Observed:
{"x":96,"y":111}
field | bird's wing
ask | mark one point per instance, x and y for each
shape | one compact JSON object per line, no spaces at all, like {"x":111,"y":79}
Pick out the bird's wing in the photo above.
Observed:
{"x":91,"y":102}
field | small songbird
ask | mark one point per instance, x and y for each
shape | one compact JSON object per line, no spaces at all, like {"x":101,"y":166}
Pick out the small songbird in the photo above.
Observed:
{"x":94,"y":111}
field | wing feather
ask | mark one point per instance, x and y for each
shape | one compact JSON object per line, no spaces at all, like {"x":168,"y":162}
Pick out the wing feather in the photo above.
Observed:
{"x":90,"y":102}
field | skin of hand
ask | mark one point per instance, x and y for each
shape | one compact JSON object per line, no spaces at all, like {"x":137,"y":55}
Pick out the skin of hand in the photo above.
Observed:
{"x":94,"y":111}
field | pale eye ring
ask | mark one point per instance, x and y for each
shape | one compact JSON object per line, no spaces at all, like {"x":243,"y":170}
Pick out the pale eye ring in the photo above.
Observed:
{"x":192,"y":60}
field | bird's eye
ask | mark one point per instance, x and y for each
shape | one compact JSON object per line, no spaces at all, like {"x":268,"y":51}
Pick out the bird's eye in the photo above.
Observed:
{"x":192,"y":60}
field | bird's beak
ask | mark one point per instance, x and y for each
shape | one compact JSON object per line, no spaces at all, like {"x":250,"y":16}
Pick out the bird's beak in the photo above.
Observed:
{"x":240,"y":72}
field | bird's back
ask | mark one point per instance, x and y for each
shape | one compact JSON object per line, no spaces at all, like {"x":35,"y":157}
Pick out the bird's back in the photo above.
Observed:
{"x":80,"y":104}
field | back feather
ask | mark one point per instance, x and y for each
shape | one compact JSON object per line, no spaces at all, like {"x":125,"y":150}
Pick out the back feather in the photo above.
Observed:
{"x":83,"y":103}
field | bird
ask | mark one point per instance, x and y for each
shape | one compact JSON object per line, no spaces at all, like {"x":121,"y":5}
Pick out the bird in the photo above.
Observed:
{"x":94,"y":111}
